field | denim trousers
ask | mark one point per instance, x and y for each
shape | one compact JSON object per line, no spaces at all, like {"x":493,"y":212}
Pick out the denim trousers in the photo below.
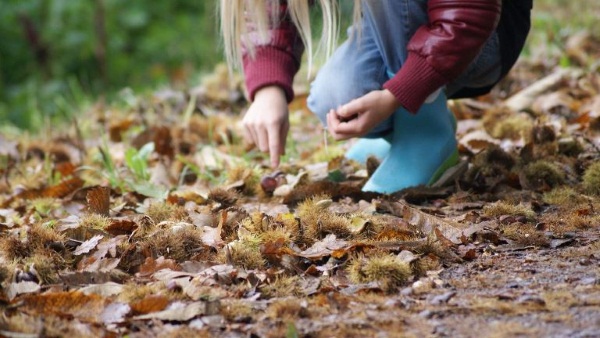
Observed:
{"x":367,"y":59}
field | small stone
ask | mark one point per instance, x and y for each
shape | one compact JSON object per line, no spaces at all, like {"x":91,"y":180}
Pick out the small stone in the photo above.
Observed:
{"x":408,"y":291}
{"x":588,"y":281}
{"x":426,"y":314}
{"x":443,"y":299}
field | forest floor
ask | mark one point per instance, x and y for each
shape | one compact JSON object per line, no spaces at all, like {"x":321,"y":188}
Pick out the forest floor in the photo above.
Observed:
{"x":151,"y":217}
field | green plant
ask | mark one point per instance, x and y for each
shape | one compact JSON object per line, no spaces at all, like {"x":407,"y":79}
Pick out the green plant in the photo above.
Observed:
{"x":137,"y":161}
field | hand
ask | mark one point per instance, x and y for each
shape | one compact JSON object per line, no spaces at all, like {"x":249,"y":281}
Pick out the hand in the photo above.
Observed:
{"x":266,"y":123}
{"x":360,"y":116}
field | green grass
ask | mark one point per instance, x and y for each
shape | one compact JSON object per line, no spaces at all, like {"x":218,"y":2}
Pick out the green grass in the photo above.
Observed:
{"x":554,"y":21}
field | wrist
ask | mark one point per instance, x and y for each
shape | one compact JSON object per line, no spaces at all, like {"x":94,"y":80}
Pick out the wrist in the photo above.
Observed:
{"x":270,"y":92}
{"x":390,"y":99}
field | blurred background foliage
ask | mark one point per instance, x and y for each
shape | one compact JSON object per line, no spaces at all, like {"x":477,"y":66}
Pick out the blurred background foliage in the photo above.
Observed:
{"x":56,"y":54}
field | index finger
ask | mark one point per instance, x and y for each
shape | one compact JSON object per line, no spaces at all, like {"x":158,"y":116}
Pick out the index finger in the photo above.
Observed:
{"x":275,"y":146}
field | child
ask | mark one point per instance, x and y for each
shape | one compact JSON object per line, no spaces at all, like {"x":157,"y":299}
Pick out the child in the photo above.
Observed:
{"x":386,"y":84}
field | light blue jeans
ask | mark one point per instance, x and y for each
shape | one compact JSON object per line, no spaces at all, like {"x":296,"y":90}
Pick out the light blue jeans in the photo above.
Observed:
{"x":365,"y":60}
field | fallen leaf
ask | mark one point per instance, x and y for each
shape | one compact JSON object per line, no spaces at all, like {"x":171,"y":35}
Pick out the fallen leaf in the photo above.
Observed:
{"x":115,"y":313}
{"x":476,"y":141}
{"x":104,"y":290}
{"x":177,"y":312}
{"x":121,"y":227}
{"x":88,"y":245}
{"x":151,"y":303}
{"x":525,"y":98}
{"x":426,"y":222}
{"x":109,"y":247}
{"x":151,"y":266}
{"x":101,"y":265}
{"x":87,"y":277}
{"x":324,"y":247}
{"x":15,"y":289}
{"x":98,"y":200}
{"x":76,"y":304}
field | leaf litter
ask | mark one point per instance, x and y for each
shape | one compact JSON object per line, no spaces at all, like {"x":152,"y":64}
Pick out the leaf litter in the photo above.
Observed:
{"x":166,"y":223}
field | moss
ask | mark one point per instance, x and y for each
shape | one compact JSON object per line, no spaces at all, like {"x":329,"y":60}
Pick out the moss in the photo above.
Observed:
{"x":133,"y":292}
{"x":94,"y":221}
{"x":502,"y":208}
{"x":39,"y":237}
{"x":235,"y":310}
{"x":178,"y":245}
{"x":162,"y":211}
{"x":383,"y":268}
{"x":242,"y":254}
{"x":44,"y":268}
{"x":591,"y":179}
{"x":286,"y":309}
{"x":564,"y":196}
{"x":542,"y":175}
{"x":250,"y":178}
{"x":494,"y":155}
{"x":282,"y":286}
{"x":525,"y":234}
{"x":310,"y":212}
{"x":276,"y":235}
{"x":13,"y":248}
{"x":426,"y":263}
{"x":224,"y":197}
{"x":505,"y":124}
{"x":570,"y":147}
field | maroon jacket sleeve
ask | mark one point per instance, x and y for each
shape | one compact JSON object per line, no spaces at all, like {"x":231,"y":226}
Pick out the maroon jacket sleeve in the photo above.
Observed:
{"x":277,"y":61}
{"x":440,"y":51}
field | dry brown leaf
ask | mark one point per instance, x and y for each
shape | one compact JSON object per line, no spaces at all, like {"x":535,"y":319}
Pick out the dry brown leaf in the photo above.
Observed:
{"x":88,"y":245}
{"x":425,"y":222}
{"x":177,"y":312}
{"x":276,"y":249}
{"x":115,"y":313}
{"x":104,"y":290}
{"x":87,"y":277}
{"x":102,"y":265}
{"x":73,"y":304}
{"x":109,"y":247}
{"x":15,"y":289}
{"x":60,"y":190}
{"x":525,"y":98}
{"x":151,"y":303}
{"x":151,"y":266}
{"x":324,"y":247}
{"x":98,"y":200}
{"x":9,"y":148}
{"x":65,"y":168}
{"x":163,"y":141}
{"x":118,"y":127}
{"x":476,"y":141}
{"x":121,"y":227}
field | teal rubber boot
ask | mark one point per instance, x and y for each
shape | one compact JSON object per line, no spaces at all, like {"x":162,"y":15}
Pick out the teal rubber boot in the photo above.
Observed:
{"x":367,"y":147}
{"x":423,"y":146}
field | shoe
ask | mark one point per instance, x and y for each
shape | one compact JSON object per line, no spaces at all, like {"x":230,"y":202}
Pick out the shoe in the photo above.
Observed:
{"x":364,"y":148}
{"x":423,"y":146}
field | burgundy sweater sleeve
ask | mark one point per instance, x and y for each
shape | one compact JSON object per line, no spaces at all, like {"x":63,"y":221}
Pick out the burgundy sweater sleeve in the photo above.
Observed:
{"x":277,"y":61}
{"x":440,"y":51}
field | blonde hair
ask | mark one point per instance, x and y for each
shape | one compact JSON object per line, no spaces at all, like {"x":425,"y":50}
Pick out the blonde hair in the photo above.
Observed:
{"x":245,"y":25}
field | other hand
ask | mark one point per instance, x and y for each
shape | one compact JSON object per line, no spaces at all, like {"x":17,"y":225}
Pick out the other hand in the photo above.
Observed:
{"x":361,"y":115}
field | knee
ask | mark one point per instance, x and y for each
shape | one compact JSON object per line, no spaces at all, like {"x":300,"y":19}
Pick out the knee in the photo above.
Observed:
{"x":327,"y":92}
{"x":332,"y":88}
